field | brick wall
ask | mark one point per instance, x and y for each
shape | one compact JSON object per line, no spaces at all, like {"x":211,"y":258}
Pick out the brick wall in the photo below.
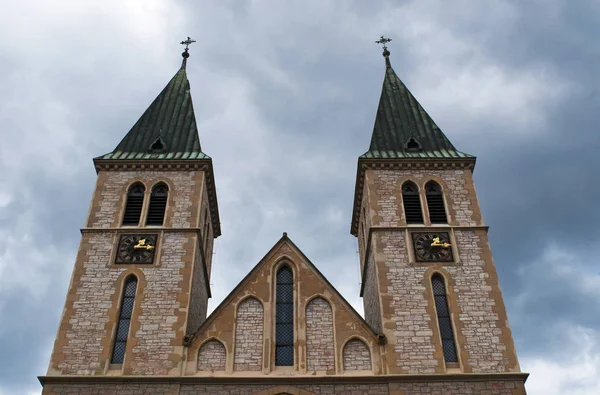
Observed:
{"x":155,"y":339}
{"x":79,"y":342}
{"x":212,"y":356}
{"x":85,"y":344}
{"x":320,"y":354}
{"x":356,"y":356}
{"x":249,"y":330}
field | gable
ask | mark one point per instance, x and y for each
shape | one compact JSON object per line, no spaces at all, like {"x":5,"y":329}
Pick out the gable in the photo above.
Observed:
{"x":324,"y":322}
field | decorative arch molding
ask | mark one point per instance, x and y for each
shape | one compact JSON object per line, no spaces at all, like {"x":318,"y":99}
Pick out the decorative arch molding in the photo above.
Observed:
{"x":249,"y":335}
{"x":212,"y":355}
{"x":284,"y":390}
{"x":356,"y":355}
{"x":320,"y":338}
{"x":455,"y":312}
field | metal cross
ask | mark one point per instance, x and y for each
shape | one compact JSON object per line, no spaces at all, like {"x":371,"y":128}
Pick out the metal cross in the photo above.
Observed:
{"x":384,"y":41}
{"x":188,"y":42}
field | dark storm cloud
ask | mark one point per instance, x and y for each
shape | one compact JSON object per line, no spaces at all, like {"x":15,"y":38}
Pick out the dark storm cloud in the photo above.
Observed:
{"x":285,"y":95}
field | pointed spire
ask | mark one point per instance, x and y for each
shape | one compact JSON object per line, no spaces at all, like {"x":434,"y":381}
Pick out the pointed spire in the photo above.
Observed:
{"x":167,"y":129}
{"x":403,"y":129}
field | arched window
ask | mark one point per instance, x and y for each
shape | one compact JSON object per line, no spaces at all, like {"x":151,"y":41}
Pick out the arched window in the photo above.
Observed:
{"x":158,"y":203}
{"x":435,"y":203}
{"x":284,"y":318}
{"x":124,"y":320}
{"x":412,"y":203}
{"x":133,"y":207}
{"x":444,"y":321}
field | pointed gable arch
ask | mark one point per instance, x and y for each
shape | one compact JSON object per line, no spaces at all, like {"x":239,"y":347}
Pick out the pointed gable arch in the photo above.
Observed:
{"x":260,"y":283}
{"x":356,"y":355}
{"x":212,"y":356}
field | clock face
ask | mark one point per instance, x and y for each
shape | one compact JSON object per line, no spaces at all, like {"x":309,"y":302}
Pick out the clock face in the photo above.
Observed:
{"x":136,"y":249}
{"x":432,"y":247}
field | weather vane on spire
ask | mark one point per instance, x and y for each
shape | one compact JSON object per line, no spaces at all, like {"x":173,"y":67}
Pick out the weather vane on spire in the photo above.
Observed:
{"x":187,"y":43}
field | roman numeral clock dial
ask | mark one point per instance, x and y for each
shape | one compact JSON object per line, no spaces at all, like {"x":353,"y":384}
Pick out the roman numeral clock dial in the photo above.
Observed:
{"x":432,"y":247}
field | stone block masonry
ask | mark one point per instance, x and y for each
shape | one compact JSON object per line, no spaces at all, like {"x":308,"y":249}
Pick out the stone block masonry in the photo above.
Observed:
{"x":356,"y":356}
{"x":249,"y":332}
{"x":212,"y":356}
{"x":320,"y":353}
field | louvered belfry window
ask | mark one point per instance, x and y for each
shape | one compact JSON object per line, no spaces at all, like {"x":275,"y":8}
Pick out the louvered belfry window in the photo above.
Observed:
{"x":284,"y":318}
{"x":133,"y":207}
{"x":444,"y":321}
{"x":435,"y":203}
{"x":412,"y":203}
{"x":158,"y":204}
{"x":124,"y":320}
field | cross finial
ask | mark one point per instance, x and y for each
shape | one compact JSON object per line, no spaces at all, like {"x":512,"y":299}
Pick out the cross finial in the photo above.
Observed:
{"x":386,"y":54}
{"x":185,"y":52}
{"x":384,"y":41}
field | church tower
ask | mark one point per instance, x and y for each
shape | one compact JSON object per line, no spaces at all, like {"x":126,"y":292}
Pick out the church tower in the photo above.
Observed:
{"x":429,"y":284}
{"x":141,"y":276}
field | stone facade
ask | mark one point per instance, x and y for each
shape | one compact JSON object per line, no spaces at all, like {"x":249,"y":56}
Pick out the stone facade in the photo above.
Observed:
{"x":320,"y":353}
{"x":212,"y":356}
{"x":249,"y":329}
{"x":356,"y":356}
{"x":165,"y":293}
{"x":408,"y":315}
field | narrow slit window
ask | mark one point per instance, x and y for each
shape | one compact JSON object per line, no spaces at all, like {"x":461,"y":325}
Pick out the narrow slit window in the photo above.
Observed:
{"x":125,"y":313}
{"x":444,"y":320}
{"x":435,"y":203}
{"x":133,"y":207}
{"x":412,"y":203}
{"x":158,"y":204}
{"x":284,"y":318}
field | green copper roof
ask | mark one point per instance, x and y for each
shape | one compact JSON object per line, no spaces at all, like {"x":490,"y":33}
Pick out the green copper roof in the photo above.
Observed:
{"x":403,"y":129}
{"x":167,"y":130}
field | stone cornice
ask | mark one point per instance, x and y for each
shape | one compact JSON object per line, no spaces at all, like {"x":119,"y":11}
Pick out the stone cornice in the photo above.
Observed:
{"x":138,"y":230}
{"x":365,"y":164}
{"x":290,"y":380}
{"x":204,"y":165}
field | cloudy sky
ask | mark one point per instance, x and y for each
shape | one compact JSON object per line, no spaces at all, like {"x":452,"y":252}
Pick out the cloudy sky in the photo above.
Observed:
{"x":285,"y":95}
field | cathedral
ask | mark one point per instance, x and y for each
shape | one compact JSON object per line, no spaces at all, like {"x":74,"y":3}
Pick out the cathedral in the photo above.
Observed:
{"x":135,"y":318}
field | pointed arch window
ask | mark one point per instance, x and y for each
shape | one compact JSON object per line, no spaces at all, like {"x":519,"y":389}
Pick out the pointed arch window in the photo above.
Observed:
{"x":412,"y":203}
{"x":444,"y":320}
{"x":125,"y":313}
{"x":435,"y":203}
{"x":133,"y":207}
{"x":284,"y":318}
{"x":158,"y":204}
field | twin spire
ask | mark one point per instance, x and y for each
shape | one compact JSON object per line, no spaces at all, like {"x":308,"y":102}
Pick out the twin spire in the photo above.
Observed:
{"x":167,"y":129}
{"x":403,"y":129}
